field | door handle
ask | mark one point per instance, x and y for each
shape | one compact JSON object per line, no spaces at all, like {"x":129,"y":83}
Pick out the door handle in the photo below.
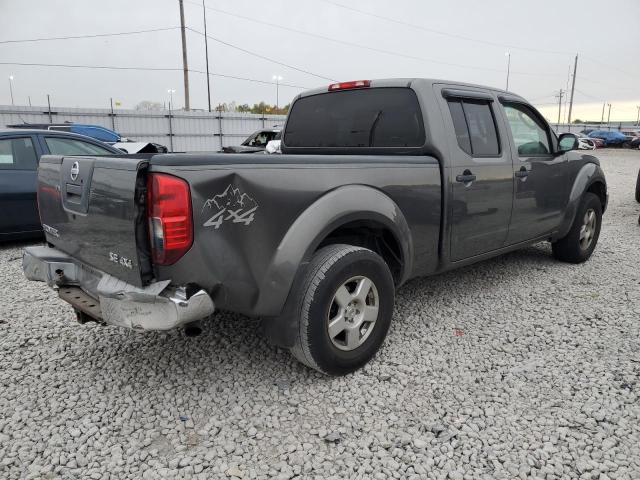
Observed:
{"x":522,"y":173}
{"x":466,"y":177}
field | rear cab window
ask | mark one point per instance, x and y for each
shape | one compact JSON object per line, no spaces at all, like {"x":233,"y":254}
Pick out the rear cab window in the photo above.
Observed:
{"x":384,"y":117}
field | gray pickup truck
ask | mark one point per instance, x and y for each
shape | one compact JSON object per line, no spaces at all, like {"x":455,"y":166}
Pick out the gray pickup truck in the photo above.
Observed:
{"x":379,"y":182}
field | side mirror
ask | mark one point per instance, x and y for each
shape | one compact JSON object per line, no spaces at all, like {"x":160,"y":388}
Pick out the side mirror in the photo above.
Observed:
{"x":567,"y":142}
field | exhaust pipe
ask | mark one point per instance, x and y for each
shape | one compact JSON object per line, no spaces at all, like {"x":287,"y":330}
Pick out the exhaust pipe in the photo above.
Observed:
{"x":193,"y":329}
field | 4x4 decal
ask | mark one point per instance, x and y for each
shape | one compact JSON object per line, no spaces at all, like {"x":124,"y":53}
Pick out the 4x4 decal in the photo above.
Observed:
{"x":230,"y":205}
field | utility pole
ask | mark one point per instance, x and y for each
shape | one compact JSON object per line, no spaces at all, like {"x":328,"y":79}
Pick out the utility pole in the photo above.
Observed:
{"x":11,"y":87}
{"x":559,"y":97}
{"x":602,"y":118}
{"x":277,"y":79}
{"x":508,"y":54}
{"x":638,"y":118}
{"x":609,"y":117}
{"x":566,"y":97}
{"x":113,"y":116}
{"x":49,"y":107}
{"x":206,"y":53}
{"x":185,"y":66}
{"x":573,"y":87}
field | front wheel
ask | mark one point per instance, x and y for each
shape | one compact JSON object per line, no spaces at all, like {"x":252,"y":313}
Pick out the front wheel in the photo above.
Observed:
{"x":638,"y":188}
{"x":578,"y":245}
{"x":344,"y":304}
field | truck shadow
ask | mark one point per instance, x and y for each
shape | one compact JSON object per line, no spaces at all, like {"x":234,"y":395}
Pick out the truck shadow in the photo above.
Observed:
{"x":232,"y":345}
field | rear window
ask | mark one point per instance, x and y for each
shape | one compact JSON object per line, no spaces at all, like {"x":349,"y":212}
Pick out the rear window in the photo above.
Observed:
{"x":377,"y":117}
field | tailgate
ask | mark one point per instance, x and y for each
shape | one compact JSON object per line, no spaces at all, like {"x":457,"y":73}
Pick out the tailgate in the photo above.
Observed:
{"x":93,"y":209}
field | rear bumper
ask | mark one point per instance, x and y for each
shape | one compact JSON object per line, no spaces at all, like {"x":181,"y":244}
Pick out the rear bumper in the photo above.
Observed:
{"x":158,"y":306}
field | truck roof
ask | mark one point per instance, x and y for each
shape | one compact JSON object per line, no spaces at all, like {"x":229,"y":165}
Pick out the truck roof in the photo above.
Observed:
{"x":407,"y":82}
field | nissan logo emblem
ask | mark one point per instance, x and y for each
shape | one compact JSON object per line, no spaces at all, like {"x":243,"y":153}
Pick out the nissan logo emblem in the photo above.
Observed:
{"x":75,"y":170}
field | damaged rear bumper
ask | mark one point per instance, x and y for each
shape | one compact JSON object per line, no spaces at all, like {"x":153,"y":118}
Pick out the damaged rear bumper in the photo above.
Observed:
{"x":100,"y":296}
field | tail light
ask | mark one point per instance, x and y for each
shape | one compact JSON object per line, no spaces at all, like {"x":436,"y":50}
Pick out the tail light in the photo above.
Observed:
{"x":348,"y":85}
{"x":170,"y":220}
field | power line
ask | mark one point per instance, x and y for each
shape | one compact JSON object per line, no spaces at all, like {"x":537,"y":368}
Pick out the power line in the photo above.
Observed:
{"x":145,"y":69}
{"x":362,"y":46}
{"x":97,"y":35}
{"x":589,"y":95}
{"x":254,"y":80}
{"x":611,"y":66}
{"x":445,"y":34}
{"x":263,"y":57}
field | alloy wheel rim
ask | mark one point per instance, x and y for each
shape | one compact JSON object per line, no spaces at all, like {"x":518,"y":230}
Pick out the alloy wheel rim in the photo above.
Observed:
{"x":353,"y":313}
{"x":588,"y":229}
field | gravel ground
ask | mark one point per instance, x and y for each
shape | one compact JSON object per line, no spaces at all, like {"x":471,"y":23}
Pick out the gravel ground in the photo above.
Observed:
{"x":519,"y":367}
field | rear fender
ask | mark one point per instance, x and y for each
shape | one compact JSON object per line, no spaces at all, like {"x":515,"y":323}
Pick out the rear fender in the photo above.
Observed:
{"x":335,"y":208}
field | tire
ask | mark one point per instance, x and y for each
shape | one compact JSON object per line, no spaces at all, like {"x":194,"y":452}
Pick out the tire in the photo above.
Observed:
{"x":328,"y":294}
{"x":638,"y":188}
{"x":572,"y":248}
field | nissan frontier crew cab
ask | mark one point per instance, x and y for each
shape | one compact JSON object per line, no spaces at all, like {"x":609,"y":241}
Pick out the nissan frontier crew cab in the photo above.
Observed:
{"x":378,"y":182}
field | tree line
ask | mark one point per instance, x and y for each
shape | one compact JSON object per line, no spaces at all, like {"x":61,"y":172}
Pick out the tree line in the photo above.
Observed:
{"x":259,"y":108}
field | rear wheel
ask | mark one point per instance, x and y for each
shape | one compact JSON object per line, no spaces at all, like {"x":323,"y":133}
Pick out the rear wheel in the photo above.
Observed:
{"x":578,"y":245}
{"x":344,"y":305}
{"x":638,"y":188}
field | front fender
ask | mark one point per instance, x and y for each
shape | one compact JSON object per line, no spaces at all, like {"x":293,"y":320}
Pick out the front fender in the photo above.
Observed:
{"x":335,"y":208}
{"x":588,"y":174}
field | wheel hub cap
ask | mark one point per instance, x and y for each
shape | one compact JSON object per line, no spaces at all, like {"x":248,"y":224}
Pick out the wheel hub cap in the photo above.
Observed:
{"x":588,"y":229}
{"x":353,"y":313}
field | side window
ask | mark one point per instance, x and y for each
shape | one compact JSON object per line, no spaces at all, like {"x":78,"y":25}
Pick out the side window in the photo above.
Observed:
{"x":460,"y":125}
{"x":529,"y":132}
{"x":475,"y":127}
{"x":18,"y":154}
{"x":69,"y":146}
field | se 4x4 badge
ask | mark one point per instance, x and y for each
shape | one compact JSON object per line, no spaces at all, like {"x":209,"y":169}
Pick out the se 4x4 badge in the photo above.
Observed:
{"x":231,"y":205}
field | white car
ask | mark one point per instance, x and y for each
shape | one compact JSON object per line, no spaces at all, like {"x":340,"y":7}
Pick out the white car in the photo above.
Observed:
{"x":585,"y":143}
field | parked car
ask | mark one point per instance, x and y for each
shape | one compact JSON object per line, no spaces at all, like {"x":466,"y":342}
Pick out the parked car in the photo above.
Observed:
{"x":94,"y":131}
{"x":598,"y":142}
{"x":631,"y":134}
{"x":585,"y":143}
{"x":20,"y":151}
{"x":611,"y":138}
{"x":256,"y":142}
{"x":378,"y":182}
{"x":140,"y":147}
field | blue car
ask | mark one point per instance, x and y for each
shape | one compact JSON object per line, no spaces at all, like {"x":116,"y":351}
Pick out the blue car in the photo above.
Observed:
{"x":611,"y":138}
{"x":94,"y":131}
{"x":20,"y":152}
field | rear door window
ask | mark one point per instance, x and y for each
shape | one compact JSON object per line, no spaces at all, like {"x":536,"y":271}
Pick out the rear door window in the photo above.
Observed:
{"x":475,"y":127}
{"x":18,"y":154}
{"x":377,"y":117}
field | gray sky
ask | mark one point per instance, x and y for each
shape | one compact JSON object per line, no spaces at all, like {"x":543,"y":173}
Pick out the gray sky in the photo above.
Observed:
{"x":542,"y":36}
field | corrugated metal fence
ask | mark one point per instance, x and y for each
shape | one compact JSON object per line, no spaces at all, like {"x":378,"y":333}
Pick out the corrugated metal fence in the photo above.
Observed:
{"x":180,"y":131}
